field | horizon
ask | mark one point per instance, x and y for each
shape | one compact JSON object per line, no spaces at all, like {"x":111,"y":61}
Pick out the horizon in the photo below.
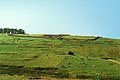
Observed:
{"x":74,"y":17}
{"x":63,"y":34}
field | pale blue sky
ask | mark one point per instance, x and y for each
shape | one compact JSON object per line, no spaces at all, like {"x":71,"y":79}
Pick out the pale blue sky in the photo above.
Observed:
{"x":76,"y":17}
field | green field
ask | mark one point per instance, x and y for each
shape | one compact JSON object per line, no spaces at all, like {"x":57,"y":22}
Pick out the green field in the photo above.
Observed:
{"x":38,"y":56}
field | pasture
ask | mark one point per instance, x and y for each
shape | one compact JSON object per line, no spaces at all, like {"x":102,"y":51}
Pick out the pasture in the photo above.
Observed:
{"x":38,"y":56}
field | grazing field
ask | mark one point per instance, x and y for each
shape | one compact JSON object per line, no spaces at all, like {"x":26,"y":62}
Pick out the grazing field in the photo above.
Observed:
{"x":56,"y":57}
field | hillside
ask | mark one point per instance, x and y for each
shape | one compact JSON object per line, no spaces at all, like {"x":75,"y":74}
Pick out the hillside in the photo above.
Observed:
{"x":44,"y":56}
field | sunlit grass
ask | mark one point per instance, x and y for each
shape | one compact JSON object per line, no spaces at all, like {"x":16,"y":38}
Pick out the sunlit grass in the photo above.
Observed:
{"x":41,"y":52}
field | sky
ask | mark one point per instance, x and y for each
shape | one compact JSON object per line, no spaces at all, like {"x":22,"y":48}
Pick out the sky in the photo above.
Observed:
{"x":75,"y":17}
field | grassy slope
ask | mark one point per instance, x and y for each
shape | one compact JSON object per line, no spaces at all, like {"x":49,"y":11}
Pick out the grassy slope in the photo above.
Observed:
{"x":39,"y":55}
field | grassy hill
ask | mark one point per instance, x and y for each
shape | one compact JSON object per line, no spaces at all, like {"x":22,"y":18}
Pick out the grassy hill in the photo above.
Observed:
{"x":40,"y":56}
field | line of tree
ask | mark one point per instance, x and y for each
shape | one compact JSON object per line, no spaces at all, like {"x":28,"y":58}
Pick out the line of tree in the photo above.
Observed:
{"x":12,"y":31}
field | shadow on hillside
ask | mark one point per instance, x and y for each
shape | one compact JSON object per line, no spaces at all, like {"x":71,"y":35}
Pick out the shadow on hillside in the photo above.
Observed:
{"x":37,"y":72}
{"x":33,"y":71}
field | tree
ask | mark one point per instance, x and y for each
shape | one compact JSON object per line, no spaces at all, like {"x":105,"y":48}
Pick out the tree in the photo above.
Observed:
{"x":1,"y":30}
{"x":21,"y":31}
{"x":11,"y":30}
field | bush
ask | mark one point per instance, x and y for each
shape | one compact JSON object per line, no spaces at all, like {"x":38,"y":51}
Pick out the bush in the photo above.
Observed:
{"x":61,"y":74}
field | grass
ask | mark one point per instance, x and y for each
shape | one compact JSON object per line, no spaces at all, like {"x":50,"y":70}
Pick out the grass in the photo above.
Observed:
{"x":29,"y":55}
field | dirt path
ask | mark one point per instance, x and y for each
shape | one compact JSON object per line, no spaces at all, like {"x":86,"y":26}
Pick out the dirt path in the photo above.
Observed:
{"x":114,"y":61}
